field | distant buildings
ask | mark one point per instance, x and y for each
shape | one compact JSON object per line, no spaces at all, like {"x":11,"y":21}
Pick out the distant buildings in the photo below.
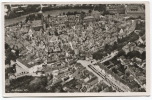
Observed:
{"x":135,"y":10}
{"x":132,"y":10}
{"x":115,"y":8}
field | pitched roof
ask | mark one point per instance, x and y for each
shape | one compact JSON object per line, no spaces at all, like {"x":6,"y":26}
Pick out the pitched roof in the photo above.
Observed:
{"x":36,"y":23}
{"x":89,"y":17}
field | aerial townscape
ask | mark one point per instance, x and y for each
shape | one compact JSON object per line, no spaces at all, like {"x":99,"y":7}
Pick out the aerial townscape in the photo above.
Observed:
{"x":75,"y":48}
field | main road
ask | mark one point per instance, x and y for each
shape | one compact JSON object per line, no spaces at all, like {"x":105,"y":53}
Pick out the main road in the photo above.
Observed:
{"x":96,"y":70}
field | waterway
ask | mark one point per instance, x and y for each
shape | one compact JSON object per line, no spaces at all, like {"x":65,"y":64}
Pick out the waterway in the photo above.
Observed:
{"x":51,"y":12}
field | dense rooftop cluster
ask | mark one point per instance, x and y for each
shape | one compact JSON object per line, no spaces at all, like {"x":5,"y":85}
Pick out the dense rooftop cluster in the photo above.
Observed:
{"x":48,"y":48}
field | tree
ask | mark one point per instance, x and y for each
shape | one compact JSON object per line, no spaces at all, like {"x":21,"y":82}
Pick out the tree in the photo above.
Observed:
{"x":120,"y":53}
{"x":107,"y":63}
{"x":133,"y":54}
{"x":106,"y":47}
{"x":115,"y":45}
{"x":75,"y":12}
{"x":10,"y":56}
{"x":56,"y":33}
{"x":48,"y":16}
{"x":106,"y":13}
{"x":38,"y":84}
{"x":84,"y":5}
{"x":82,"y":15}
{"x":143,"y":55}
{"x":101,"y":7}
{"x":90,"y":11}
{"x":6,"y":46}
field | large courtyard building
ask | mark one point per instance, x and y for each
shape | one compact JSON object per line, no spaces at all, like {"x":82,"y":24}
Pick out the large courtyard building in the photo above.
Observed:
{"x":115,"y":8}
{"x":135,"y":10}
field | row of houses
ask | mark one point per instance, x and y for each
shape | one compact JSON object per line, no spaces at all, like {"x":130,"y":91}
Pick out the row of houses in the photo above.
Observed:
{"x":133,"y":10}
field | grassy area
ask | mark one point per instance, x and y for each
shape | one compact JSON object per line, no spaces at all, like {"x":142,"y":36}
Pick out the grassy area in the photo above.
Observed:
{"x":20,"y":84}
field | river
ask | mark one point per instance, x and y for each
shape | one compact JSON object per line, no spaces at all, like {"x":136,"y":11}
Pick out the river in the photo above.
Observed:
{"x":52,"y":12}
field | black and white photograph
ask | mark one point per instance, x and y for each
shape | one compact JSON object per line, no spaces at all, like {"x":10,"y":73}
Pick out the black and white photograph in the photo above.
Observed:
{"x":75,"y":48}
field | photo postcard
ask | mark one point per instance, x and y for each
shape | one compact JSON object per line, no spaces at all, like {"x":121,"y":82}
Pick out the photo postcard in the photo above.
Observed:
{"x":76,"y":49}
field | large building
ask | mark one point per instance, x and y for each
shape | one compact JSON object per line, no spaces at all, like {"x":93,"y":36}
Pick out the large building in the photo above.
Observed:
{"x":62,"y":19}
{"x":37,"y":25}
{"x":135,"y":10}
{"x":28,"y":69}
{"x":115,"y":8}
